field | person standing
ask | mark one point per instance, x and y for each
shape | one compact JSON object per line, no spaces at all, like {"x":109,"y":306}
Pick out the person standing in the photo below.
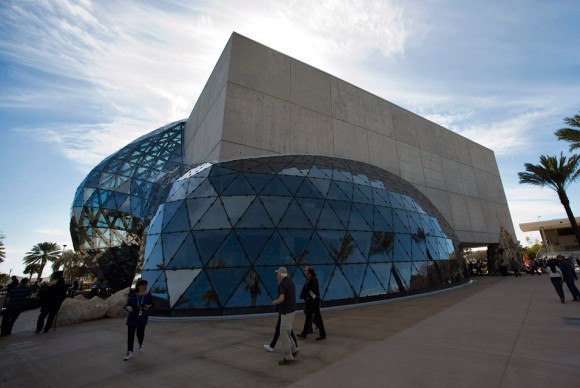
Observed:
{"x":286,"y":303}
{"x":556,"y":278}
{"x":569,"y":275}
{"x":15,"y":303}
{"x":311,"y":295}
{"x":51,"y":299}
{"x":138,"y":305}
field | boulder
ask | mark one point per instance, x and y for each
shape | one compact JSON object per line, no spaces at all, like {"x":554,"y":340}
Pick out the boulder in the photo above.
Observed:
{"x":116,"y":303}
{"x":80,"y":309}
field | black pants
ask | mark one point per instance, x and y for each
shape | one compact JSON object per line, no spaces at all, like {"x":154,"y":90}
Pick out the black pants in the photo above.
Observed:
{"x":312,"y":312}
{"x":10,"y":316}
{"x":131,"y":336}
{"x":51,"y":313}
{"x":277,"y":334}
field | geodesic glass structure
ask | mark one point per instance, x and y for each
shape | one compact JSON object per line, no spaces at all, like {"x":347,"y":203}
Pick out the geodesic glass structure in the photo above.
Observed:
{"x":224,"y":228}
{"x":118,"y":198}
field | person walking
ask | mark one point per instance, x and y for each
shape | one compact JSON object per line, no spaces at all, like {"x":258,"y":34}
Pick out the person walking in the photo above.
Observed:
{"x":270,"y":347}
{"x":15,"y":303}
{"x":138,"y":305}
{"x":569,"y":275}
{"x":556,"y":277}
{"x":311,"y":295}
{"x":51,"y":299}
{"x":286,"y":303}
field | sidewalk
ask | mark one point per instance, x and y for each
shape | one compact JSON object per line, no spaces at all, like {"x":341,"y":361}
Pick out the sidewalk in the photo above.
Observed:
{"x":499,"y":332}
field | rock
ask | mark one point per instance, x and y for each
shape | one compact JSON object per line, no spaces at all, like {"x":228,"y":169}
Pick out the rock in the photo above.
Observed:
{"x":116,"y":303}
{"x":80,"y":309}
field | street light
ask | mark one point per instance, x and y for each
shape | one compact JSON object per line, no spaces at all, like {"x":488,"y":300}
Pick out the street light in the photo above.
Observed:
{"x":63,"y":247}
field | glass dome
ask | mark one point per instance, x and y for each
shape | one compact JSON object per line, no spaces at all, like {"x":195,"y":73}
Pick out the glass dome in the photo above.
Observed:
{"x":214,"y":243}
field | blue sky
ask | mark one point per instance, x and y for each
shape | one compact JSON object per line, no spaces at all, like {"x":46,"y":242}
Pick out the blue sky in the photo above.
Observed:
{"x":80,"y":79}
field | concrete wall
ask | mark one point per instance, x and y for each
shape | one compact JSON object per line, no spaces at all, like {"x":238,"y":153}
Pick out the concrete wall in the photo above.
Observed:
{"x":261,"y":102}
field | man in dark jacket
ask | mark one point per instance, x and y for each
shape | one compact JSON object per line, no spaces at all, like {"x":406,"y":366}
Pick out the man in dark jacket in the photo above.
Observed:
{"x":15,"y":303}
{"x":50,"y":300}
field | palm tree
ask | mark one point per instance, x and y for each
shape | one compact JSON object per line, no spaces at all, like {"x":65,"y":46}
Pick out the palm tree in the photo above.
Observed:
{"x":557,"y":175}
{"x":41,"y":254}
{"x":569,"y":134}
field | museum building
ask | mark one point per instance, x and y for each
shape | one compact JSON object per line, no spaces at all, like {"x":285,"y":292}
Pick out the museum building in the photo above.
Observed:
{"x":281,"y":164}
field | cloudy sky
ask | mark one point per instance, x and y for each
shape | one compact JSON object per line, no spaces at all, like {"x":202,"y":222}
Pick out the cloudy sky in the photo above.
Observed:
{"x":80,"y":79}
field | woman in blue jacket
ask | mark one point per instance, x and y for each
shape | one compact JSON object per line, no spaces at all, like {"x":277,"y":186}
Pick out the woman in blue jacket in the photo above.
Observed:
{"x":138,"y":305}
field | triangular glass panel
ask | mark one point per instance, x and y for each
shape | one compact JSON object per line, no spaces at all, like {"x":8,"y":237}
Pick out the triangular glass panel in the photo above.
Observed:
{"x":276,"y":187}
{"x":363,"y":242}
{"x":251,"y":292}
{"x":172,"y":242}
{"x":334,"y":192}
{"x":341,"y":176}
{"x":339,"y":288}
{"x":255,"y":217}
{"x":192,"y":184}
{"x":382,"y":271}
{"x":362,"y":194}
{"x":381,"y":198}
{"x":186,"y":256}
{"x":296,"y":241}
{"x":196,"y":208}
{"x":253,"y":241}
{"x":149,"y":244}
{"x":274,"y":253}
{"x":308,"y":190}
{"x":157,"y":221}
{"x":157,"y":283}
{"x":208,"y":241}
{"x":396,"y":200}
{"x":214,"y":218}
{"x":258,"y":181}
{"x":354,"y":274}
{"x":225,"y":280}
{"x":328,"y":219}
{"x":311,"y":207}
{"x":357,"y":221}
{"x":275,"y":206}
{"x":179,"y":280}
{"x":402,"y":247}
{"x":342,"y":211}
{"x":371,"y":285}
{"x":400,"y":221}
{"x":239,"y":187}
{"x":155,"y":253}
{"x":229,"y":254}
{"x":293,"y":183}
{"x":322,"y":185}
{"x":170,"y":210}
{"x":199,"y":295}
{"x":205,"y":189}
{"x":294,"y":218}
{"x":180,"y":221}
{"x":404,"y":271}
{"x":315,"y":172}
{"x":236,"y":206}
{"x":316,"y":252}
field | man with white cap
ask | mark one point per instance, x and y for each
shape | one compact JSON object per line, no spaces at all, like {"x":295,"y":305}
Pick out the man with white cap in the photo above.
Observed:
{"x":286,"y":303}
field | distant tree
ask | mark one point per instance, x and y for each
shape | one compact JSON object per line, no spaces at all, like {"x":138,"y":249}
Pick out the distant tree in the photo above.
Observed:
{"x":570,"y":134}
{"x":556,"y":175}
{"x":72,"y":265}
{"x":532,"y":248}
{"x":31,"y":269}
{"x":2,"y":248}
{"x":41,"y":254}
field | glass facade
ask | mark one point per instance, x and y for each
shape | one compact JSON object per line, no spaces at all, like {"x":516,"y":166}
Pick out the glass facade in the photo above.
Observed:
{"x":118,"y":198}
{"x":224,"y":228}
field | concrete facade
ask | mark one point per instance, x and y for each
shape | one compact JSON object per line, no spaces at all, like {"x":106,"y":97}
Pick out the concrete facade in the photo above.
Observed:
{"x":260,"y":102}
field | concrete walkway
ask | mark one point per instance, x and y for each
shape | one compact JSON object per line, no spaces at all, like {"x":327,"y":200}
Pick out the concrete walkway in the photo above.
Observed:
{"x":499,"y":332}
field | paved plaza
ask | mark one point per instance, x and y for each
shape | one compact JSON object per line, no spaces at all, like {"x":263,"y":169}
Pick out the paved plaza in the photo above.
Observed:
{"x":497,"y":332}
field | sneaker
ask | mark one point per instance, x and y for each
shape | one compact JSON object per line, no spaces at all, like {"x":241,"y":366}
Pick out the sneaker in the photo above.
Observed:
{"x":268,"y":348}
{"x":128,"y":356}
{"x":141,"y":348}
{"x":286,"y":362}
